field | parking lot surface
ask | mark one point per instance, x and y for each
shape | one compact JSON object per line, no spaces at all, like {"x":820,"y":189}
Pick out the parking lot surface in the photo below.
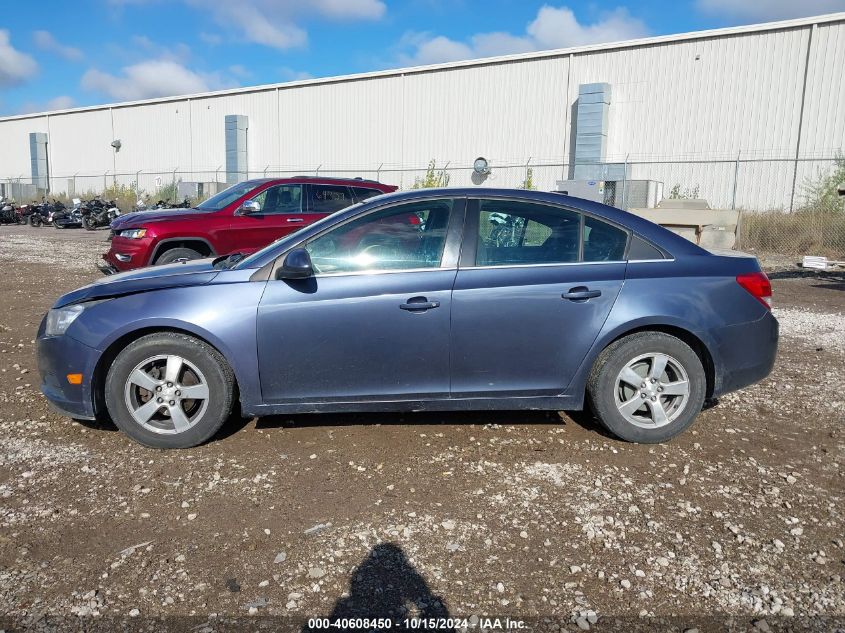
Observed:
{"x":539,"y":517}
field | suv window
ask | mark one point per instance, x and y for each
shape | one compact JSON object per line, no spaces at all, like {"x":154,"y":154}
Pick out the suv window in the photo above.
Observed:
{"x":362,"y":193}
{"x":511,"y":232}
{"x":280,"y":199}
{"x":401,"y":237}
{"x":330,"y":198}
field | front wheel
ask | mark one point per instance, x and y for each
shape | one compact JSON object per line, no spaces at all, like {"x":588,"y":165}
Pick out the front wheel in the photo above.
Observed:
{"x":169,"y":390}
{"x":35,"y":220}
{"x":89,"y":223}
{"x":177,"y":254}
{"x":647,"y":387}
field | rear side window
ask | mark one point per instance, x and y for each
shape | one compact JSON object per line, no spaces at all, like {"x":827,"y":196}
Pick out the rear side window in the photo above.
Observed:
{"x":362,"y":193}
{"x":603,"y":242}
{"x":641,"y":250}
{"x":512,"y":232}
{"x":330,"y":198}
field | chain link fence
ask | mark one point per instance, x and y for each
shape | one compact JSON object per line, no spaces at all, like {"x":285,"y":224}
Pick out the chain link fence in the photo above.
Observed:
{"x":787,"y":205}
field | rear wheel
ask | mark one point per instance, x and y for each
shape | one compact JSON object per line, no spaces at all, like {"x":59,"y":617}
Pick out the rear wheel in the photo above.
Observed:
{"x":647,"y":387}
{"x":89,"y":223}
{"x":176,"y":254}
{"x":169,"y":390}
{"x":35,"y":220}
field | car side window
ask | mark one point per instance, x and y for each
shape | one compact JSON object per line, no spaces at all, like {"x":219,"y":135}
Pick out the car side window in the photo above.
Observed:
{"x":513,"y":232}
{"x":280,"y":199}
{"x":362,"y":193}
{"x":330,"y":198}
{"x":402,"y":237}
{"x":603,"y":242}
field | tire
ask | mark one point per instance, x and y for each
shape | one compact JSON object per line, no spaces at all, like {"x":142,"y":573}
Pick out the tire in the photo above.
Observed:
{"x":89,"y":223}
{"x":146,"y":361}
{"x":644,"y":353}
{"x":174,"y":254}
{"x":34,"y":220}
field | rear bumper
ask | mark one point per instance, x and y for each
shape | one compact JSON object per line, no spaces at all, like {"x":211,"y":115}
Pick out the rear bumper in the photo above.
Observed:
{"x":59,"y":356}
{"x":746,"y":353}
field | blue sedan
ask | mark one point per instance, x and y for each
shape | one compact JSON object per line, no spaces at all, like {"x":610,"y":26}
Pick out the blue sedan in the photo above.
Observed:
{"x":431,"y":300}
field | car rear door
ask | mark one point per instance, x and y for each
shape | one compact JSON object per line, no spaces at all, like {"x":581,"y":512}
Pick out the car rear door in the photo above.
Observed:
{"x":372,"y":324}
{"x":526,"y":306}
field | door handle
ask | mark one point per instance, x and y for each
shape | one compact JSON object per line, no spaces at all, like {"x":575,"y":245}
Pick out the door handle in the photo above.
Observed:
{"x":581,"y":293}
{"x":295,"y":220}
{"x":419,"y":304}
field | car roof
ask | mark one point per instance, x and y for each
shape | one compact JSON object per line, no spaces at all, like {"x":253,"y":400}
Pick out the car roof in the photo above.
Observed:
{"x":350,"y":182}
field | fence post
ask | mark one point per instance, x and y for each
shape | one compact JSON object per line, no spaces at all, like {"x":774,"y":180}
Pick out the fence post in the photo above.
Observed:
{"x":527,"y":163}
{"x":105,"y":176}
{"x":625,"y":183}
{"x":736,"y":179}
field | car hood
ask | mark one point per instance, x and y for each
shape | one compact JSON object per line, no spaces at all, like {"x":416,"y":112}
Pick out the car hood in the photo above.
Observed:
{"x":137,"y":218}
{"x":191,"y":273}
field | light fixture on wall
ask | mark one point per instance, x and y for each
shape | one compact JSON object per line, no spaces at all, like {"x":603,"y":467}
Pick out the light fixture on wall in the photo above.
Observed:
{"x":481,"y":167}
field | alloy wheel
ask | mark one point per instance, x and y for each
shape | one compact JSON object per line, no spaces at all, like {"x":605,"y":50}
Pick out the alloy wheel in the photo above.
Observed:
{"x":652,"y":390}
{"x":166,"y":394}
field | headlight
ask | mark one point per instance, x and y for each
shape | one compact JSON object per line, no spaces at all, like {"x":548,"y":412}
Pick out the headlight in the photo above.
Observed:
{"x":59,"y":320}
{"x":133,"y":234}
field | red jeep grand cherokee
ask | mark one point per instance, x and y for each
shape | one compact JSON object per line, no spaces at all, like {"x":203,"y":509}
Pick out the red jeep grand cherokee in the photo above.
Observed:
{"x":242,"y":219}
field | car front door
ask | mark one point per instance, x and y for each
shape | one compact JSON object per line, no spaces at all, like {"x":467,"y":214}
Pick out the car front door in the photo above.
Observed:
{"x":372,"y":323}
{"x":282,"y":211}
{"x":526,"y":306}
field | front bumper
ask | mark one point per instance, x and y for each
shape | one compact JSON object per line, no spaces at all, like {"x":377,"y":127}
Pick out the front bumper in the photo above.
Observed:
{"x":747,"y":353}
{"x":126,"y":254}
{"x":59,"y":356}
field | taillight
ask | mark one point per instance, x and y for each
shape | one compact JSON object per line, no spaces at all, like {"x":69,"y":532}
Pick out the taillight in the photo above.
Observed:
{"x":758,"y":285}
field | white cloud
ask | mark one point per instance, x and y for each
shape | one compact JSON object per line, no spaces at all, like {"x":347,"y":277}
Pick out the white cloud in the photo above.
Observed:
{"x":152,"y":78}
{"x":62,"y":102}
{"x":553,"y":27}
{"x":15,"y":67}
{"x":273,"y":23}
{"x":767,"y":10}
{"x":45,"y":41}
{"x":290,"y":74}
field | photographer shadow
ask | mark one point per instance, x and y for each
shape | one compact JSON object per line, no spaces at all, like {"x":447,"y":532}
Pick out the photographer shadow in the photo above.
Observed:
{"x":387,"y":586}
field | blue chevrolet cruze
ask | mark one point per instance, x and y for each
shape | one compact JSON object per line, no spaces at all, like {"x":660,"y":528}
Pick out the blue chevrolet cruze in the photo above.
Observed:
{"x":438,"y":299}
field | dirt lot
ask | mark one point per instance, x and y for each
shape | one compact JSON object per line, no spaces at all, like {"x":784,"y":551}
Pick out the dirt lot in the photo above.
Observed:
{"x":739,"y":523}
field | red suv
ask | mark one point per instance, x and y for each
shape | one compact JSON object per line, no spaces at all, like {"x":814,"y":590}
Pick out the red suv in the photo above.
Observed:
{"x":242,"y":219}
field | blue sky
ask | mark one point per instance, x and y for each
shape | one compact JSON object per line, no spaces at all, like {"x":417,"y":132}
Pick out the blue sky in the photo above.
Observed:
{"x":57,"y":54}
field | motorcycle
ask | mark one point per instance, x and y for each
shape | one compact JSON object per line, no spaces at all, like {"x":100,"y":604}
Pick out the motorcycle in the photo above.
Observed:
{"x":40,"y":214}
{"x":68,"y":218}
{"x":9,"y":214}
{"x":97,"y":213}
{"x":161,"y":204}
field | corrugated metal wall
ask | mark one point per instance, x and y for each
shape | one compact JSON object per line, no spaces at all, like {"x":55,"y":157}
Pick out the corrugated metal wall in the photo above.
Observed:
{"x":701,"y":98}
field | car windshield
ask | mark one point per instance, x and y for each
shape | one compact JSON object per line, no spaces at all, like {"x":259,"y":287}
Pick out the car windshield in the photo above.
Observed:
{"x":292,"y":238}
{"x":227,"y":196}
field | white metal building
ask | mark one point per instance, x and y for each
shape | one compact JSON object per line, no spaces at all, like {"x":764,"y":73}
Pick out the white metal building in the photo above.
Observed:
{"x":724,"y":113}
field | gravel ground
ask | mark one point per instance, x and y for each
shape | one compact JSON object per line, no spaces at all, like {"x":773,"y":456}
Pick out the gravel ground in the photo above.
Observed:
{"x":540,"y":518}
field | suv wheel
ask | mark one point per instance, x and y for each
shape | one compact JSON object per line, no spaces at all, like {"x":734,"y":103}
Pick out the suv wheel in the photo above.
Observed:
{"x":647,"y":387}
{"x":169,"y":390}
{"x":176,"y":254}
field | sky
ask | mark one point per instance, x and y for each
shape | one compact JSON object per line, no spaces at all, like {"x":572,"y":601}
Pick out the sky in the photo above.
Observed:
{"x":61,"y":54}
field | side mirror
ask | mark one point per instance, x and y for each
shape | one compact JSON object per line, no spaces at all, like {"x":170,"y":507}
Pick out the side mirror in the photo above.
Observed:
{"x":250,"y":206}
{"x":297,"y":265}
